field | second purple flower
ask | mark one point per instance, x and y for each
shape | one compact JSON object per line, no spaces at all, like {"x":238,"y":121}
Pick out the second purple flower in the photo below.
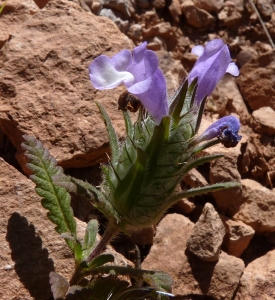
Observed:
{"x":214,"y":61}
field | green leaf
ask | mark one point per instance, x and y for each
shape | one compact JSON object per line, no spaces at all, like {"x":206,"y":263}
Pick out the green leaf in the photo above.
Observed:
{"x":178,"y":101}
{"x":3,"y":5}
{"x":110,"y":289}
{"x":200,"y":113}
{"x":202,"y":190}
{"x":197,"y":149}
{"x":100,"y":261}
{"x":78,"y":252}
{"x":128,"y":124}
{"x":111,"y":132}
{"x":199,"y":161}
{"x":90,"y":236}
{"x":54,"y":198}
{"x":96,"y":197}
{"x":89,"y":192}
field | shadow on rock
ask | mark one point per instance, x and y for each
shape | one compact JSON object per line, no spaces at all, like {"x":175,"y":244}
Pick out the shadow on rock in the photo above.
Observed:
{"x":202,"y":271}
{"x":32,"y":263}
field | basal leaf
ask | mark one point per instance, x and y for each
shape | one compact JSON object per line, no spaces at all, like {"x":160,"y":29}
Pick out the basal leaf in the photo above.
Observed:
{"x":90,"y":235}
{"x":54,"y":198}
{"x":101,"y":260}
{"x":59,"y":285}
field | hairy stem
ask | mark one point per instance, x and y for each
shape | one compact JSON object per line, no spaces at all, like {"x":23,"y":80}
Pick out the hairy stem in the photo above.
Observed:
{"x":110,"y":232}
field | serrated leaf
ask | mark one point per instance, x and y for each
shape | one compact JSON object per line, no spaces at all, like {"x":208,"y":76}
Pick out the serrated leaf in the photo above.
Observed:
{"x":98,"y":200}
{"x":59,"y":285}
{"x":89,"y":192}
{"x":54,"y":198}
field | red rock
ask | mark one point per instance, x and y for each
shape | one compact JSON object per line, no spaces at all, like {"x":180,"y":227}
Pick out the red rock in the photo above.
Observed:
{"x":257,"y":208}
{"x":41,"y":3}
{"x":184,"y":206}
{"x":256,"y":75}
{"x":14,"y":14}
{"x":163,"y":29}
{"x":227,"y":99}
{"x":209,"y":5}
{"x":45,"y":86}
{"x":265,"y":8}
{"x":265,"y":116}
{"x":222,"y":170}
{"x":237,"y":236}
{"x":175,"y":10}
{"x":159,"y":3}
{"x":207,"y":235}
{"x":258,"y":279}
{"x":30,"y":247}
{"x":195,"y":16}
{"x":190,"y":274}
{"x":194,"y":179}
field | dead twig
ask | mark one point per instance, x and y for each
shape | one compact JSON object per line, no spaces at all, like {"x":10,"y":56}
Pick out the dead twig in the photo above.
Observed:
{"x":262,"y":23}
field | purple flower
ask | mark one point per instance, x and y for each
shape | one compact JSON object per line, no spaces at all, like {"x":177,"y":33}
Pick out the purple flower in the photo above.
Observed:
{"x":140,"y":74}
{"x":225,"y":129}
{"x":214,"y":61}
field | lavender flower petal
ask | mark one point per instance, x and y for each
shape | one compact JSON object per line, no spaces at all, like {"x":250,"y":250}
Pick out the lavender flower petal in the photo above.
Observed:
{"x":225,"y":129}
{"x":211,"y":66}
{"x":122,"y":60}
{"x":155,"y":98}
{"x":104,"y":75}
{"x":140,"y":74}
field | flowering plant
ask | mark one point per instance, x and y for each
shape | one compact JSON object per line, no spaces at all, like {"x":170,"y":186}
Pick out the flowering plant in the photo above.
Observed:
{"x":159,"y":149}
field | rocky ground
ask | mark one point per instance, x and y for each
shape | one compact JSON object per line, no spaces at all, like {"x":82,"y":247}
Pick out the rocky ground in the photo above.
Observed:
{"x":217,"y":246}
